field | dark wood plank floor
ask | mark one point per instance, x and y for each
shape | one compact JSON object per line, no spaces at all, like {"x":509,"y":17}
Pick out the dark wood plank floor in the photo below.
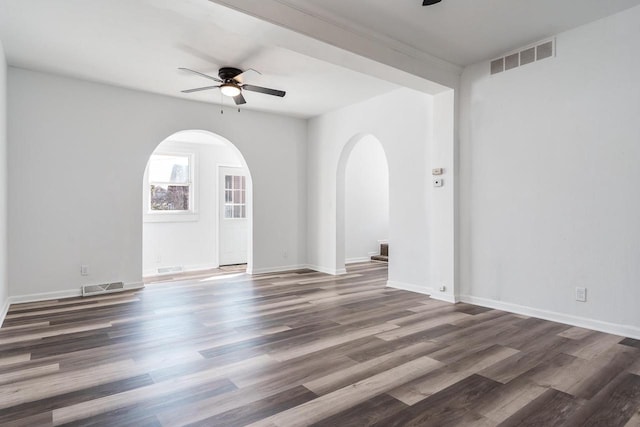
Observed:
{"x":304,"y":348}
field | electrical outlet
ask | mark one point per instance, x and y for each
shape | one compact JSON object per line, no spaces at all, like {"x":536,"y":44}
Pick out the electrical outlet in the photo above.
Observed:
{"x":84,"y":270}
{"x":443,"y":288}
{"x":581,"y":294}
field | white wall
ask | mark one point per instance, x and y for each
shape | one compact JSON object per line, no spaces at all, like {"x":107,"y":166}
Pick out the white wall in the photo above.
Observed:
{"x":402,"y":121}
{"x":191,"y":244}
{"x":550,"y":179}
{"x":366,"y":200}
{"x":4,"y":279}
{"x":77,"y":154}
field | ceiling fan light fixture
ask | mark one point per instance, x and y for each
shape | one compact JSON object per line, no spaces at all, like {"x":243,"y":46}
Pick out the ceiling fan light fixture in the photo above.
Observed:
{"x":230,"y":89}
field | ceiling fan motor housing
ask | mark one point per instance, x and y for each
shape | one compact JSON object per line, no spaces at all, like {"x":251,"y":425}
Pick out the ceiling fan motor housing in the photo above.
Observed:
{"x":228,"y":73}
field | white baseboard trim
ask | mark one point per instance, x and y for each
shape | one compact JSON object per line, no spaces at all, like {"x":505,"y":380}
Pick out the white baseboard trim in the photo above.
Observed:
{"x":67,"y":293}
{"x":445,"y":297}
{"x":199,"y":267}
{"x":45,"y":296}
{"x":183,"y":269}
{"x":5,"y":309}
{"x":325,"y":270}
{"x":569,"y":319}
{"x":422,"y":290}
{"x":357,"y":259}
{"x":410,"y":287}
{"x":282,"y":269}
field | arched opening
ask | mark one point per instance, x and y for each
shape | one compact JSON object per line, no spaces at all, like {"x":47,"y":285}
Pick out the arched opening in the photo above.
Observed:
{"x":362,"y":205}
{"x":197,"y":206}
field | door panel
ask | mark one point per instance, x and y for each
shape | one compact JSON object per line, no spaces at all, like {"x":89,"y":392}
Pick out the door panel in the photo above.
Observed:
{"x":233,"y":223}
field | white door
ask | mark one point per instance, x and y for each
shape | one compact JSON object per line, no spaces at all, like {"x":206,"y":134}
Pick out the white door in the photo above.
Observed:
{"x":233,"y":228}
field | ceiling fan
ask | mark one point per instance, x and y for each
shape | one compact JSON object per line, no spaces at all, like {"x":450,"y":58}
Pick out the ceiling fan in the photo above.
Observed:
{"x":430,"y":2}
{"x":231,"y":84}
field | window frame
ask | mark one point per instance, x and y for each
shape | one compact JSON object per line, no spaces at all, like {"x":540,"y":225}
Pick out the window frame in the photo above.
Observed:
{"x":172,"y":215}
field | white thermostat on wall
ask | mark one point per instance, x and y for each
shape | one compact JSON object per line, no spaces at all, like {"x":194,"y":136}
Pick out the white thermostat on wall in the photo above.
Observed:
{"x":437,"y":171}
{"x":437,"y":182}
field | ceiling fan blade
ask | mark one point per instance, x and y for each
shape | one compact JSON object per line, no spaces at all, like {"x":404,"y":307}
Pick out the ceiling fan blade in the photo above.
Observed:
{"x":268,"y":91}
{"x":430,"y":2}
{"x":239,"y":99}
{"x":199,"y":89}
{"x":215,"y":79}
{"x":239,"y":76}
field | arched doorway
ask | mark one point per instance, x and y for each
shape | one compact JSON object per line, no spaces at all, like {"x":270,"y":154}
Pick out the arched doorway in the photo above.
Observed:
{"x":197,"y":205}
{"x":362,"y":205}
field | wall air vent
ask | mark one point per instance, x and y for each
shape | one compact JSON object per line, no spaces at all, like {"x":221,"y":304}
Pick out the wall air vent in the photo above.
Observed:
{"x":524,"y":56}
{"x":166,"y":270}
{"x":105,"y":288}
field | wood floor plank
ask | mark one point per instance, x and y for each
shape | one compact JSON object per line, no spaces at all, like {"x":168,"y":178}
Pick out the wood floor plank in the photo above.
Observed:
{"x":506,"y":400}
{"x":58,"y":383}
{"x":634,"y":421}
{"x":365,"y":414}
{"x":448,"y":407}
{"x":552,"y":408}
{"x":331,"y":342}
{"x":434,"y":382}
{"x":413,"y":328}
{"x":28,"y":373}
{"x":593,"y":345}
{"x":30,"y":409}
{"x":11,"y":360}
{"x":120,"y":400}
{"x":353,"y":374}
{"x":614,"y":405}
{"x":354,"y":394}
{"x":260,"y":409}
{"x":576,"y":333}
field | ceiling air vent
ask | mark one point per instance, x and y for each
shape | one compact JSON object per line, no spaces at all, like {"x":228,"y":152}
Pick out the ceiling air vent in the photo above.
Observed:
{"x":527,"y":55}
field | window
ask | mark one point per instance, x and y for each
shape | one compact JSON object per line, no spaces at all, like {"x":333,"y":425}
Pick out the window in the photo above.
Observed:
{"x":170,"y":183}
{"x":234,"y":197}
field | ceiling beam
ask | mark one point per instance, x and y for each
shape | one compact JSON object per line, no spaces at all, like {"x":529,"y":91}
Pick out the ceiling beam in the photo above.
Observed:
{"x":302,"y":32}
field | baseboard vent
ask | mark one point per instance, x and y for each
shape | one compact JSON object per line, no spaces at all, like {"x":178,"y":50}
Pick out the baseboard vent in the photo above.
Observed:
{"x":105,"y":288}
{"x":524,"y":56}
{"x":176,"y":269}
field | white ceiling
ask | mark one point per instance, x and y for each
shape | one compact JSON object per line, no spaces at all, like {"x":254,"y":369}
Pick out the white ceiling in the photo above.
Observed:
{"x":462,"y":32}
{"x":140,"y":44}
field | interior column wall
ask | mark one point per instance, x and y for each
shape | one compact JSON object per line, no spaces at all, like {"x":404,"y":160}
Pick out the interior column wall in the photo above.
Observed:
{"x":402,"y":121}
